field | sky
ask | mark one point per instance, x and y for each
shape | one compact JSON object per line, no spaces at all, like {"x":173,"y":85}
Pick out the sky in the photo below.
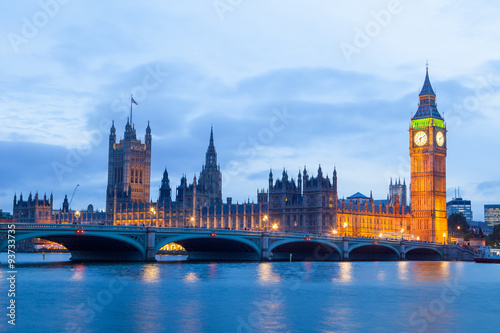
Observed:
{"x":285,"y":84}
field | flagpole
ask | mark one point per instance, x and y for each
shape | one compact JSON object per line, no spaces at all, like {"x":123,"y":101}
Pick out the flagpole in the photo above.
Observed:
{"x":131,"y":109}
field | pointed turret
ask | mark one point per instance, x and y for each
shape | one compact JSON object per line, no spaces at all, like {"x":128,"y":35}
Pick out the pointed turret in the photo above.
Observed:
{"x":270,"y":178}
{"x":427,"y":107}
{"x":148,"y":135}
{"x":165,"y":190}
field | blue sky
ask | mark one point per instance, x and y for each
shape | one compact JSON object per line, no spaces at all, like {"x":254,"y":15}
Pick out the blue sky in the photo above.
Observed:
{"x":284,"y":83}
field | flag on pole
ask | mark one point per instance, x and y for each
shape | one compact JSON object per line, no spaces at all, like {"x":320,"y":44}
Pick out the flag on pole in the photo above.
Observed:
{"x":133,"y":101}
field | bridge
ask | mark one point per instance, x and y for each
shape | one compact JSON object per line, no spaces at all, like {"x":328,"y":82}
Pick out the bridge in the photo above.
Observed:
{"x":136,"y":243}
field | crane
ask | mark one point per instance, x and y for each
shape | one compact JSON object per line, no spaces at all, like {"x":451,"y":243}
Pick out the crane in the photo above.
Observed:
{"x":72,"y":196}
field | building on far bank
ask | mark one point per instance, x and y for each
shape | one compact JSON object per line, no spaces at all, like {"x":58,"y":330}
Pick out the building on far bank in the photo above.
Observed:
{"x":5,"y":217}
{"x":459,"y":205}
{"x":492,"y":214}
{"x":35,"y":210}
{"x":478,"y":226}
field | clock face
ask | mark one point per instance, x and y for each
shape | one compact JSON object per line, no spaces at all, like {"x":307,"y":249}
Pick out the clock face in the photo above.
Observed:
{"x":440,"y":138}
{"x":420,"y":138}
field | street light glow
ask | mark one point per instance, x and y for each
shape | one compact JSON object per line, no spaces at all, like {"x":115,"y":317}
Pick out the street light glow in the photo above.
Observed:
{"x":275,"y":226}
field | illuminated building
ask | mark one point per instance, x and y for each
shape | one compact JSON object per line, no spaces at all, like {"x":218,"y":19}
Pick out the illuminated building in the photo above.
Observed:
{"x":459,"y":205}
{"x":129,"y":169}
{"x":492,"y":214}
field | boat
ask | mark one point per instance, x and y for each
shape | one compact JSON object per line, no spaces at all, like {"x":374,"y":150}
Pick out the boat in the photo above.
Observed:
{"x":488,"y":255}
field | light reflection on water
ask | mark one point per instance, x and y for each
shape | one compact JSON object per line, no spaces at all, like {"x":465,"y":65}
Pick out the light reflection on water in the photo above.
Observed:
{"x":258,"y":297}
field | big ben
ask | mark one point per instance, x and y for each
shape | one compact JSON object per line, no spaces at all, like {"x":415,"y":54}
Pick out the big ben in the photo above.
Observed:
{"x":428,"y":168}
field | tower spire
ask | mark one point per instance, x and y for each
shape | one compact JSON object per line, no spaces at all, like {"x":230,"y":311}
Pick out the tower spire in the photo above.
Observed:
{"x":211,"y":143}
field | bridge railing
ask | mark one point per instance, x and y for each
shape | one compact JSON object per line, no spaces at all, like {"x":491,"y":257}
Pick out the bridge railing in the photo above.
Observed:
{"x":51,"y":226}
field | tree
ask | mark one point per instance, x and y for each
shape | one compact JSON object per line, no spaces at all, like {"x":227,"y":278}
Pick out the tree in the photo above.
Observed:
{"x":494,"y":238}
{"x":457,"y":220}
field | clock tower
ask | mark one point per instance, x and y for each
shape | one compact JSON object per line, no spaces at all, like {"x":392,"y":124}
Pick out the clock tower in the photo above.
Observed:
{"x":428,"y":169}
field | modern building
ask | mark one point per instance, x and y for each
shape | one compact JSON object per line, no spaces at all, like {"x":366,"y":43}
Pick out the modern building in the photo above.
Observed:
{"x":459,"y":205}
{"x":492,"y":214}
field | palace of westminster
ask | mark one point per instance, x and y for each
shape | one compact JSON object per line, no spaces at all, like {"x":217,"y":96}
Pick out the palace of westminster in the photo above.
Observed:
{"x":309,"y":204}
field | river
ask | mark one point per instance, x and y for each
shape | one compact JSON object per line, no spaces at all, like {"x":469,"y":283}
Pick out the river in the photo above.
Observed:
{"x":56,"y":295}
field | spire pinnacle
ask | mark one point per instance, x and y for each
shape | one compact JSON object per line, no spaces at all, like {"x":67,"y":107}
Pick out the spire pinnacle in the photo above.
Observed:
{"x":211,"y":144}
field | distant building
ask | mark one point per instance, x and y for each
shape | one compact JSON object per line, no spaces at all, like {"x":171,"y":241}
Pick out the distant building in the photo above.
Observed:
{"x":477,"y":227}
{"x":492,"y":214}
{"x":33,"y":210}
{"x":68,"y":216}
{"x":5,"y":217}
{"x":459,"y":205}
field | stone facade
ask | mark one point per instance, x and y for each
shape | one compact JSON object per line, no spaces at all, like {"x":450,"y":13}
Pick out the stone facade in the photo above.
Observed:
{"x":33,"y":210}
{"x":129,"y":169}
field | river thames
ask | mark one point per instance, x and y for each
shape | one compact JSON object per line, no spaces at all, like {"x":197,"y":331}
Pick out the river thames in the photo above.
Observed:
{"x":55,"y":295}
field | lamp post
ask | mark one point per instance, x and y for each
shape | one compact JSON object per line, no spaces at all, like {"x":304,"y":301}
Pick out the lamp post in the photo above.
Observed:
{"x":77,"y":215}
{"x":266,"y":220}
{"x":334,"y":232}
{"x":402,"y":233}
{"x":192,"y":221}
{"x":275,"y":226}
{"x":152,"y":212}
{"x":444,"y":238}
{"x":345,"y":229}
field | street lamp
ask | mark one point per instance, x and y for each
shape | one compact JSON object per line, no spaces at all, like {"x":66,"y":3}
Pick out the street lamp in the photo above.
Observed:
{"x":334,"y":231}
{"x":345,"y":229}
{"x":275,"y":226}
{"x":402,"y":233}
{"x":152,"y":212}
{"x":77,"y":215}
{"x":266,"y":219}
{"x":380,"y":235}
{"x":192,"y":221}
{"x":444,"y":238}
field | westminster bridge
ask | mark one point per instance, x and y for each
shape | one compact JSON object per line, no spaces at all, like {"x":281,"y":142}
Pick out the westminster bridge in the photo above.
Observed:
{"x":141,"y":243}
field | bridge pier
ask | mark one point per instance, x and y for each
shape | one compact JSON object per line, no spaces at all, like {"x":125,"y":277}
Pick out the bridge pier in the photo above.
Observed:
{"x":264,"y":251}
{"x":345,"y":250}
{"x":402,"y":254}
{"x":150,"y":244}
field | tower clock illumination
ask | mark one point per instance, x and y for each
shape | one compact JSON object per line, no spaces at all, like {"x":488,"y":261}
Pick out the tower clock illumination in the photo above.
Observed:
{"x":420,"y":138}
{"x":428,"y":168}
{"x":440,"y":139}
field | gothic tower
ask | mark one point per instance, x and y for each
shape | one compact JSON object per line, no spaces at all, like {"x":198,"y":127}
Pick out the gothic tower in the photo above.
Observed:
{"x":210,"y":181}
{"x":129,"y":169}
{"x":428,"y":168}
{"x":165,"y":190}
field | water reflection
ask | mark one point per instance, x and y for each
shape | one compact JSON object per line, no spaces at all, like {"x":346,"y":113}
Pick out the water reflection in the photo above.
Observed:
{"x":78,"y":272}
{"x":212,"y":270}
{"x":191,"y":277}
{"x":426,"y":271}
{"x":403,"y":272}
{"x":345,"y":272}
{"x":151,"y":273}
{"x":266,"y":273}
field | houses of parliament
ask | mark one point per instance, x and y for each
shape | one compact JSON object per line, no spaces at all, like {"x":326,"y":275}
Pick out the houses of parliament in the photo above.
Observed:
{"x":308,"y":204}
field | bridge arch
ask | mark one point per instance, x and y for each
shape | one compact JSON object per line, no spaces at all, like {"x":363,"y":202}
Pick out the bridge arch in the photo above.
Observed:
{"x":301,"y":249}
{"x":423,"y":253}
{"x":371,"y":252}
{"x":90,"y":246}
{"x":219,"y":247}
